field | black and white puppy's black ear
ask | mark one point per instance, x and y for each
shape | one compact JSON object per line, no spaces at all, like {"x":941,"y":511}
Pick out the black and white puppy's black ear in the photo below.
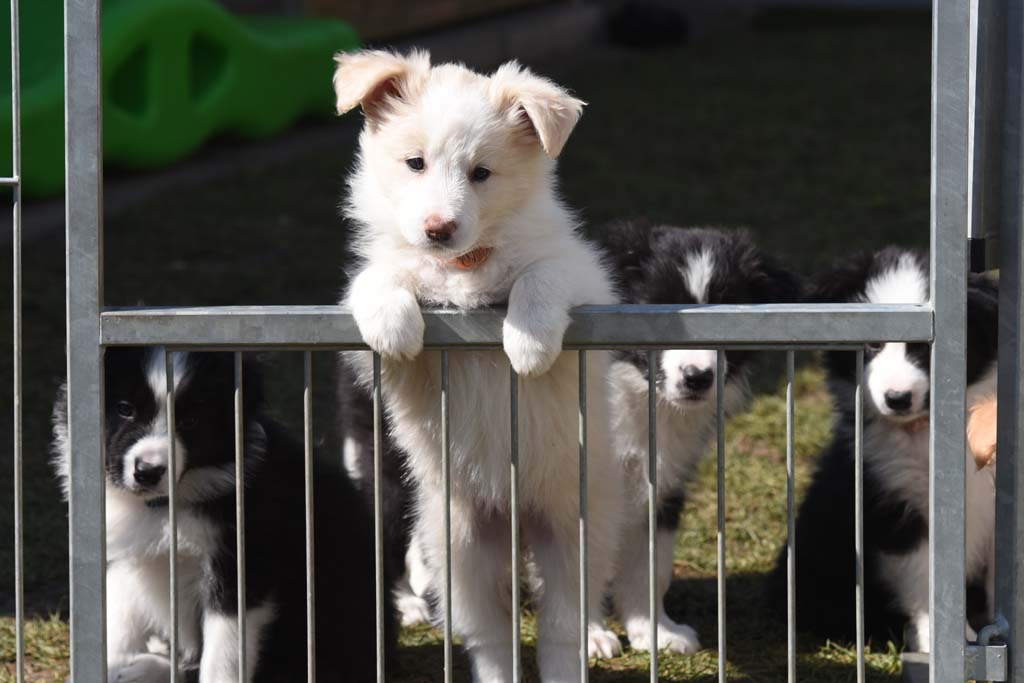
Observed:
{"x":776,"y":284}
{"x":626,"y":247}
{"x":982,"y":324}
{"x":842,"y":282}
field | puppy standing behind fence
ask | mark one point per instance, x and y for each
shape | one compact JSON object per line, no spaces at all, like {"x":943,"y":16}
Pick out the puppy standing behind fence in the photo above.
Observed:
{"x":138,"y":589}
{"x":671,"y":265}
{"x":454,"y":200}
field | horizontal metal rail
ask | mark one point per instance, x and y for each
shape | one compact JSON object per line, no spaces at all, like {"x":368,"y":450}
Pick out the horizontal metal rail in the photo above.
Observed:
{"x":796,"y":325}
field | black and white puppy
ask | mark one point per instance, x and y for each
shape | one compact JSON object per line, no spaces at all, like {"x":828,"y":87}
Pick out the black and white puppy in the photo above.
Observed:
{"x":684,"y":266}
{"x":138,"y":618}
{"x":896,"y":414}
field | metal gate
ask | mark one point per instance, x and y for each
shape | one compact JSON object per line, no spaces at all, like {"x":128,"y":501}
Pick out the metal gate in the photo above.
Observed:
{"x":993,"y":153}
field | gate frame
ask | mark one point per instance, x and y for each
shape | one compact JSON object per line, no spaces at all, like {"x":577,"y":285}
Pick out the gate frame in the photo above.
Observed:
{"x":91,"y":328}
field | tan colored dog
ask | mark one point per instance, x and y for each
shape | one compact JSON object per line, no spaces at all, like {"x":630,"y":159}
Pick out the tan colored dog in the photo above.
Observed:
{"x":981,"y":431}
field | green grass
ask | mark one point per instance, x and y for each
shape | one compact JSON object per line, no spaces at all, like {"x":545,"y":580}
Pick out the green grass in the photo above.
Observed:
{"x":811,"y":129}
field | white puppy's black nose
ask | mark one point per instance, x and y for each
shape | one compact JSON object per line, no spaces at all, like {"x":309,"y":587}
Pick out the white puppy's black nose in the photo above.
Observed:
{"x":439,"y":230}
{"x":697,"y":379}
{"x":148,"y":474}
{"x":898,"y":401}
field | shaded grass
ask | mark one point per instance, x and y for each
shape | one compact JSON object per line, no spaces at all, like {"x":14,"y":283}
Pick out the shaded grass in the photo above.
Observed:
{"x":811,"y":129}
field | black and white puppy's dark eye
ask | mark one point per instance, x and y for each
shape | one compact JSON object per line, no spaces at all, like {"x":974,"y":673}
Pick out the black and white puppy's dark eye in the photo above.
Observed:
{"x":125,"y":410}
{"x":415,"y":163}
{"x":480,"y":174}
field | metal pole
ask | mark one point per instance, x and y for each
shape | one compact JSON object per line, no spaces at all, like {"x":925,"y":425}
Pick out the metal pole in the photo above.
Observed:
{"x":790,"y":527}
{"x":19,"y":529}
{"x":240,"y":515}
{"x":307,"y":444}
{"x":584,"y":592}
{"x":988,"y":106}
{"x":172,"y":511}
{"x":950,"y":100}
{"x":84,"y":287}
{"x":446,"y":475}
{"x":720,"y":503}
{"x":652,"y":507}
{"x":1009,"y":598}
{"x":378,"y":514}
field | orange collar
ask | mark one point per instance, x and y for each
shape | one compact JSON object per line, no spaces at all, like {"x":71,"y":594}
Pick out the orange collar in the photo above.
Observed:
{"x":473,"y":259}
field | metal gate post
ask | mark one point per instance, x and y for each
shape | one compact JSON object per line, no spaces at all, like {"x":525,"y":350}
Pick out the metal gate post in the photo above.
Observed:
{"x":950,"y":99}
{"x":84,"y":286}
{"x":1009,"y":471}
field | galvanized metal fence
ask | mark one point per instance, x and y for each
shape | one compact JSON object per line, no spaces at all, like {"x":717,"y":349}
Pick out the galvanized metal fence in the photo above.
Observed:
{"x":997,"y":155}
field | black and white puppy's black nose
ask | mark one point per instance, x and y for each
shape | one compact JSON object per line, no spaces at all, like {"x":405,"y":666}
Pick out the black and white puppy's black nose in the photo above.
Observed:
{"x":697,"y":379}
{"x":898,"y":401}
{"x":148,"y":474}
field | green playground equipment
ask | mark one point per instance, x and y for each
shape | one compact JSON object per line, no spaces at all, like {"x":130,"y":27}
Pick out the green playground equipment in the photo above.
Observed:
{"x":175,"y":72}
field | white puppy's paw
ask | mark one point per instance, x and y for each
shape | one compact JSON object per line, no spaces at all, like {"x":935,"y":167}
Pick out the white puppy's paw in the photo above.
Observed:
{"x":672,"y":636}
{"x":602,"y":643}
{"x":531,"y":355}
{"x":143,"y":668}
{"x":391,"y":324}
{"x":413,"y":609}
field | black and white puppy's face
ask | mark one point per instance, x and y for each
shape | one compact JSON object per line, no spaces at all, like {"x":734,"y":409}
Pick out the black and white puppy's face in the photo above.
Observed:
{"x":690,"y":266}
{"x":897,"y":375}
{"x":137,"y":436}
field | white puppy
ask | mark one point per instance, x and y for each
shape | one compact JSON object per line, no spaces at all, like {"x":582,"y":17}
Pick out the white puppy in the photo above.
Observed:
{"x":454,"y":199}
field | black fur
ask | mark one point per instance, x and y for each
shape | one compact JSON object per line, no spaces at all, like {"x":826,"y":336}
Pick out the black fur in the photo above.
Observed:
{"x":274,"y":516}
{"x":825,"y":559}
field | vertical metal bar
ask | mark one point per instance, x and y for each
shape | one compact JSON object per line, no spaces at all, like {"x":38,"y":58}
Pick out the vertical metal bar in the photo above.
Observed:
{"x":652,"y":508}
{"x":446,"y":474}
{"x":584,"y":616}
{"x":1009,"y":598}
{"x":858,"y":509}
{"x":720,"y":427}
{"x":19,"y":528}
{"x":514,"y":459}
{"x":172,"y":509}
{"x":790,"y":527}
{"x":378,"y":514}
{"x":950,"y":98}
{"x":988,"y":150}
{"x":83,"y":179}
{"x":240,"y":514}
{"x":307,"y":442}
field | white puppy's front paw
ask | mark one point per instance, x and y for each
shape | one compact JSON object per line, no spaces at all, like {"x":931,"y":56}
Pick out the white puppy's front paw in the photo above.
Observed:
{"x":413,"y":609}
{"x":530,"y":355}
{"x":143,"y":668}
{"x":391,"y":324}
{"x":602,"y":643}
{"x":672,"y":636}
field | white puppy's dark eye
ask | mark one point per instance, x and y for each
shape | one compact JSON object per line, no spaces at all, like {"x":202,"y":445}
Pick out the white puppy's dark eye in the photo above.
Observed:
{"x":125,"y":410}
{"x":415,"y":163}
{"x":480,"y":174}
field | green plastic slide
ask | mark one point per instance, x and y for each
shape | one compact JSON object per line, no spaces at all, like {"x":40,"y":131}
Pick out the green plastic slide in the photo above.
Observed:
{"x":175,"y":72}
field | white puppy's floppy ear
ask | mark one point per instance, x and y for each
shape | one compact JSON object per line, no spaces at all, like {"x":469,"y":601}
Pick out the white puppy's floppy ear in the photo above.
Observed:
{"x":551,"y":111}
{"x":371,"y":77}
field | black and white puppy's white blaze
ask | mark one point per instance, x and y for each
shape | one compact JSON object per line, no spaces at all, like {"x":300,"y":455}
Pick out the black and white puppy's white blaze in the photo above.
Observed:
{"x":896,"y":414}
{"x":683,"y":266}
{"x":137,"y":527}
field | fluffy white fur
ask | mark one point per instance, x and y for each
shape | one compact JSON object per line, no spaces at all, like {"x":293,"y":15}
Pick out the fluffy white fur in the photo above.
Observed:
{"x":512,"y":123}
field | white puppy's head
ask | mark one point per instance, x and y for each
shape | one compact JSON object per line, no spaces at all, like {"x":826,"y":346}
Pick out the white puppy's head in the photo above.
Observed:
{"x":446,"y":153}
